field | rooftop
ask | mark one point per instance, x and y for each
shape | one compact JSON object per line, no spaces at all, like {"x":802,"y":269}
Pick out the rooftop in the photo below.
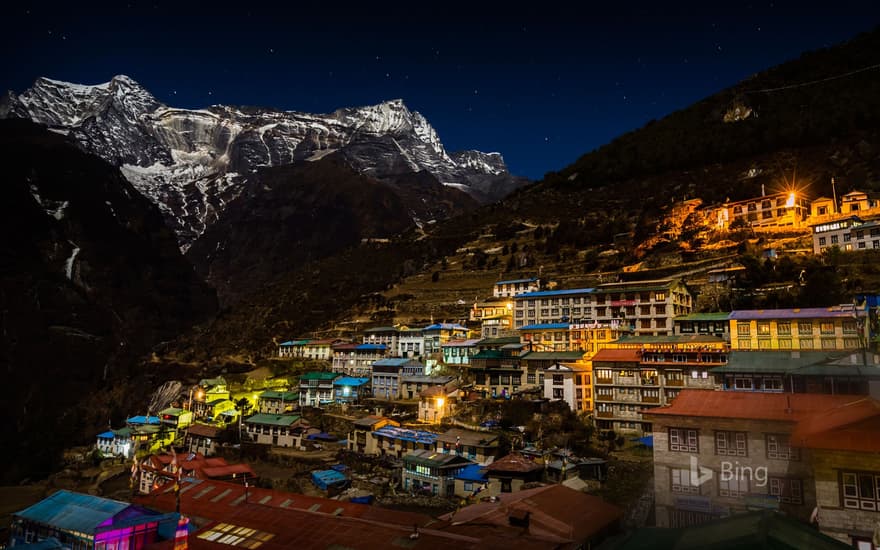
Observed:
{"x":469,"y":438}
{"x":671,"y":339}
{"x":514,"y":463}
{"x":382,"y":329}
{"x":514,"y":281}
{"x":421,"y":378}
{"x":285,"y":420}
{"x":545,"y":326}
{"x":319,"y":375}
{"x":405,"y":434}
{"x":785,"y":407}
{"x":500,"y":341}
{"x":472,"y":472}
{"x":617,"y":356}
{"x":715,"y":316}
{"x":444,"y":326}
{"x":143,"y":420}
{"x":542,"y":293}
{"x":283,"y":395}
{"x":204,"y":430}
{"x":844,"y":311}
{"x":434,"y":458}
{"x":351,"y":381}
{"x":291,"y":343}
{"x":852,"y":426}
{"x":79,"y":512}
{"x":460,"y":343}
{"x":553,"y":356}
{"x":396,"y":362}
{"x":370,"y":421}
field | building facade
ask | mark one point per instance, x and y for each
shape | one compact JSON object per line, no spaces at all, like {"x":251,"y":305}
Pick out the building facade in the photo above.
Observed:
{"x":572,"y":383}
{"x":839,"y":327}
{"x":357,"y":359}
{"x":316,"y":388}
{"x":387,"y":375}
{"x":553,"y":306}
{"x":515,"y":287}
{"x":648,"y":307}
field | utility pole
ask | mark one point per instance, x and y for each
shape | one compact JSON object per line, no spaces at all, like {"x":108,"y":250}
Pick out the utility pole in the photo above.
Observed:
{"x":834,"y":194}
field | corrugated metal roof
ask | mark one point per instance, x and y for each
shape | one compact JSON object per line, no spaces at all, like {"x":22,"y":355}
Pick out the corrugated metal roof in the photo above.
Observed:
{"x":350,"y":381}
{"x":796,"y":313}
{"x":71,"y":511}
{"x":717,"y":316}
{"x":545,"y":326}
{"x":405,"y":434}
{"x":617,"y":355}
{"x":273,"y":419}
{"x":512,"y":281}
{"x":553,"y":356}
{"x":541,"y":293}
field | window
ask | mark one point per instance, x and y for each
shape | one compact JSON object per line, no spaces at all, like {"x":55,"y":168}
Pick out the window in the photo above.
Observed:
{"x":847,"y":237}
{"x":743,"y":329}
{"x":861,"y":490}
{"x":826,"y":327}
{"x":772,"y":384}
{"x":763,"y":328}
{"x":683,"y":440}
{"x":680,"y":481}
{"x":735,"y":487}
{"x":850,"y":327}
{"x":659,"y":296}
{"x":778,"y":447}
{"x":788,"y":490}
{"x":783,"y":327}
{"x":731,"y":444}
{"x":742,"y":383}
{"x":558,"y":379}
{"x":822,"y":241}
{"x":805,"y":328}
{"x":834,"y":239}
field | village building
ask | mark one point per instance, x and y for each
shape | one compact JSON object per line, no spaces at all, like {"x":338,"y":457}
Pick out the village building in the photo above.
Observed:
{"x":723,"y":453}
{"x":471,"y":481}
{"x":643,"y":372}
{"x":855,"y":202}
{"x":490,"y":308}
{"x":572,"y":383}
{"x":510,"y":473}
{"x":831,"y":372}
{"x":277,"y":402}
{"x":351,"y":391}
{"x":441,"y":333}
{"x":393,"y":440}
{"x":459,"y":352}
{"x":500,"y":325}
{"x":840,"y":327}
{"x":438,"y":401}
{"x":357,"y":359}
{"x":203,"y":439}
{"x":410,"y":342}
{"x":714,"y":324}
{"x":837,"y":233}
{"x":382,"y":335}
{"x":822,"y":208}
{"x":67,"y":519}
{"x":292,"y":349}
{"x":361,"y":439}
{"x":866,"y":235}
{"x":648,"y":307}
{"x":316,"y":388}
{"x":776,"y":210}
{"x":158,"y":470}
{"x":176,"y":418}
{"x":320,"y":349}
{"x":208,"y":390}
{"x":412,"y":385}
{"x":429,"y":472}
{"x":387,"y":375}
{"x":280,"y":430}
{"x":115,"y":443}
{"x":515,"y":287}
{"x":553,"y":306}
{"x":479,"y":447}
{"x":497,"y":373}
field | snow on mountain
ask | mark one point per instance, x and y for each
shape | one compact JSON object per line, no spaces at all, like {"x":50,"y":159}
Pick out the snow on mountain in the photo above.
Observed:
{"x":192,"y":162}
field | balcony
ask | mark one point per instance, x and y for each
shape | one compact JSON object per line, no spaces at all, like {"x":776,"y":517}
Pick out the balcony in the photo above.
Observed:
{"x":676,"y":383}
{"x":651,"y":400}
{"x":604,"y":398}
{"x":604,"y":414}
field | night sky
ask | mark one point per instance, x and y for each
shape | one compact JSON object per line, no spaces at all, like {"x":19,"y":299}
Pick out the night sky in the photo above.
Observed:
{"x":542,"y":87}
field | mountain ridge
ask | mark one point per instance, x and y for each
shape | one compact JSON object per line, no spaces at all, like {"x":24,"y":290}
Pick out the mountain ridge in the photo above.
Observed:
{"x":193,"y":162}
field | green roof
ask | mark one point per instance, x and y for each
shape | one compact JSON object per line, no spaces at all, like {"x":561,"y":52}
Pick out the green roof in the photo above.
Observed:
{"x":284,"y":395}
{"x":750,"y":531}
{"x":498,"y":341}
{"x":714,"y":316}
{"x":773,"y":361}
{"x":172,"y":412}
{"x":273,"y":419}
{"x":320,"y":376}
{"x":553,"y":356}
{"x":487,"y":354}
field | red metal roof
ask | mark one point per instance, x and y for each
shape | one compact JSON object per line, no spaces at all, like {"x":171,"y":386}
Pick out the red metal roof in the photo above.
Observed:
{"x":223,"y":471}
{"x":514,"y":462}
{"x":618,"y":355}
{"x":854,"y":426}
{"x":791,"y":407}
{"x":204,"y":430}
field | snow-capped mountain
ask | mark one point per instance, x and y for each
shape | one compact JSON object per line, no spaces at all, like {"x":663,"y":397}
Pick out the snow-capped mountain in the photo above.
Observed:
{"x":193,"y":162}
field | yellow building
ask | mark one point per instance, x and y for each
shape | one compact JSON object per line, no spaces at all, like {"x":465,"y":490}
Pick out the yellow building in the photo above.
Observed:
{"x":832,"y":328}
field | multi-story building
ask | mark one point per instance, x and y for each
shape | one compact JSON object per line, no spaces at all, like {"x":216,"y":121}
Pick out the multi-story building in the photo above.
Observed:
{"x":572,"y":383}
{"x":431,"y":473}
{"x":721,"y":453}
{"x":411,"y":385}
{"x":648,"y":307}
{"x":649,"y":371}
{"x":383,"y":335}
{"x":395,"y":441}
{"x":834,"y":233}
{"x":387,"y":374}
{"x":553,"y":306}
{"x":515,"y":287}
{"x":491,"y":307}
{"x":818,"y":328}
{"x":320,"y":350}
{"x":480,"y":447}
{"x":715,"y":324}
{"x":410,"y":342}
{"x":585,"y":337}
{"x":202,"y":438}
{"x":176,"y":418}
{"x":498,"y":372}
{"x":361,"y":439}
{"x":440,"y":333}
{"x":866,"y":235}
{"x":292,"y":349}
{"x":785,"y":209}
{"x":459,"y":352}
{"x":281,"y":430}
{"x":277,"y":402}
{"x":438,"y":402}
{"x":844,"y":450}
{"x":833,"y":372}
{"x":500,"y":325}
{"x":349,"y":390}
{"x":357,"y":359}
{"x":316,"y":388}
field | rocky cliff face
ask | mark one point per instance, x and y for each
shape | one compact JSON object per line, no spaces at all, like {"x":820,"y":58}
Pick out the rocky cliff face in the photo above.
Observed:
{"x":192,"y":163}
{"x":90,"y":280}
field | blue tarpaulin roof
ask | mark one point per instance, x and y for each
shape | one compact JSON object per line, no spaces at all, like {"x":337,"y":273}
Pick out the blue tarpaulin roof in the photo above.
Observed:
{"x":143,"y":420}
{"x":404,"y":434}
{"x":647,"y":440}
{"x":107,"y":435}
{"x":350,"y":381}
{"x":472,"y":472}
{"x":325,"y":478}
